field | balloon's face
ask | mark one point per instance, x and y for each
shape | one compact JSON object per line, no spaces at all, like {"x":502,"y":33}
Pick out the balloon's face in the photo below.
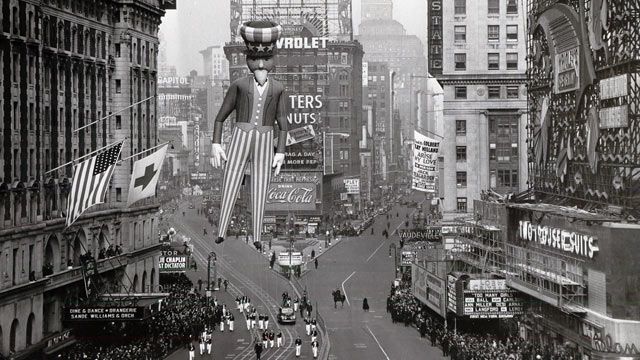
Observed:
{"x":260,"y":67}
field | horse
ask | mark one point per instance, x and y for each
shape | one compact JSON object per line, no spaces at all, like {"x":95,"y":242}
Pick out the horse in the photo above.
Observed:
{"x":338,"y":296}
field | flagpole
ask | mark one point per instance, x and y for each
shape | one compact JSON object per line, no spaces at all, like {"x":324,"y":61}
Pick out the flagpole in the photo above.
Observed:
{"x":84,"y":156}
{"x":144,"y":151}
{"x":117,"y":112}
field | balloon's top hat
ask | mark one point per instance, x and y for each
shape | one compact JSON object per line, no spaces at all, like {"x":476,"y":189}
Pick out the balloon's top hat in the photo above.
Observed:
{"x":260,"y":37}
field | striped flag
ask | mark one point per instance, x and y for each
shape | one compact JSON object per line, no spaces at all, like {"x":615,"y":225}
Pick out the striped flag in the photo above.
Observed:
{"x":91,"y":181}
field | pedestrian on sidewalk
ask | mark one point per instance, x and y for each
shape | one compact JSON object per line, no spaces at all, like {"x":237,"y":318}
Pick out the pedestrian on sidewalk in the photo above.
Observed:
{"x":315,"y":262}
{"x":298,"y":343}
{"x":199,"y":285}
{"x":314,"y":348}
{"x":313,"y":254}
{"x":365,"y":304}
{"x":279,"y":339}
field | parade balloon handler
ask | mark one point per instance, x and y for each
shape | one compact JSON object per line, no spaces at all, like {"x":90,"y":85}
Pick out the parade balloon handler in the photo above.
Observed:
{"x":259,"y":102}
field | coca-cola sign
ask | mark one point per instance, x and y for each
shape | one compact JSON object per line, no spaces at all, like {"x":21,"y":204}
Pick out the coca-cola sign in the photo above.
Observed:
{"x":291,"y":196}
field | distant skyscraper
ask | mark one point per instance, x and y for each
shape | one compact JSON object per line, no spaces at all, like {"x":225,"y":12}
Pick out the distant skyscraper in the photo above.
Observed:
{"x":377,"y":9}
{"x":215,"y":63}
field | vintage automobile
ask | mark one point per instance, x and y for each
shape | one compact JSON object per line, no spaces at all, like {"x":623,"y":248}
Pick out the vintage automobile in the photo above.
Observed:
{"x":286,"y":315}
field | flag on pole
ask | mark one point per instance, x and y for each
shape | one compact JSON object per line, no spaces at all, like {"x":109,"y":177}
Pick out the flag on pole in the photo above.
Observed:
{"x":91,"y":181}
{"x":144,"y":178}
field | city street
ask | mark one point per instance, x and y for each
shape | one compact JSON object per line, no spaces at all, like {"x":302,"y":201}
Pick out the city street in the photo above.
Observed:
{"x":360,"y":266}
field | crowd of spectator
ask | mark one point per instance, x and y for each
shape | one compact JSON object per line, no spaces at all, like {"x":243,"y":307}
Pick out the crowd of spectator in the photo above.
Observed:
{"x":182,"y":317}
{"x":405,"y":308}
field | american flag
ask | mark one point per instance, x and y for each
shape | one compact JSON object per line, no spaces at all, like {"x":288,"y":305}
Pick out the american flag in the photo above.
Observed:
{"x":91,"y":182}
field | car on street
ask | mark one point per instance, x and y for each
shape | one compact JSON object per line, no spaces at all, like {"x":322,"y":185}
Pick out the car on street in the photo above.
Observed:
{"x":286,"y":315}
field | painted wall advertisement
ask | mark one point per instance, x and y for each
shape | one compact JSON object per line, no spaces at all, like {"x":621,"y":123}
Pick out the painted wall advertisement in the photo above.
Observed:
{"x":425,"y":163}
{"x":427,"y":288}
{"x":295,"y":191}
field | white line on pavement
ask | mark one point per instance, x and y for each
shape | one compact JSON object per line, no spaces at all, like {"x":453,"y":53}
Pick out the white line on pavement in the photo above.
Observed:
{"x":343,"y":291}
{"x":378,"y":342}
{"x":376,"y":250}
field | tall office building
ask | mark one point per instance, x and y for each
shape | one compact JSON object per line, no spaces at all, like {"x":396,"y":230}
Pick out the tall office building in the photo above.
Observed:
{"x":477,"y":53}
{"x":385,"y":40}
{"x":65,"y":64}
{"x":215,"y":63}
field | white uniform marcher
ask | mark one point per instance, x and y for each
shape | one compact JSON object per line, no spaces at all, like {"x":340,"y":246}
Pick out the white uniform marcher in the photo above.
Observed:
{"x":314,"y":349}
{"x":231,"y":321}
{"x":209,"y":341}
{"x":308,"y":327}
{"x":222,"y":320}
{"x":260,"y":322}
{"x":248,"y":322}
{"x":279,"y":340}
{"x":192,"y":352}
{"x":266,"y":322}
{"x":298,"y":347}
{"x":201,"y":342}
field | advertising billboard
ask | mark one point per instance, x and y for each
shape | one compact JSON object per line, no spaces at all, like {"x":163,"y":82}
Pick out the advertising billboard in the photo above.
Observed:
{"x":295,"y":191}
{"x":428,"y":288}
{"x":352,"y":186}
{"x":492,"y":304}
{"x":172,"y":261}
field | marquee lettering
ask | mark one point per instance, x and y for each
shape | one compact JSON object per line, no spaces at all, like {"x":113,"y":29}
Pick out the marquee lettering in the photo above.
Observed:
{"x":565,"y":240}
{"x":607,"y":345}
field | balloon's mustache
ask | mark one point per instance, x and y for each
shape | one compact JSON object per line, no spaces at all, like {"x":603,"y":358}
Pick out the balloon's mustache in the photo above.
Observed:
{"x":261,"y":76}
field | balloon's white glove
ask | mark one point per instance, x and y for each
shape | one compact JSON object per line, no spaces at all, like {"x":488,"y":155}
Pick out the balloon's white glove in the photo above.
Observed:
{"x":217,"y":155}
{"x":278,"y":160}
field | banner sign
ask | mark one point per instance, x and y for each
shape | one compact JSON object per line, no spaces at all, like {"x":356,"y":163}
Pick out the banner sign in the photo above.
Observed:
{"x":434,"y":37}
{"x":352,"y":186}
{"x":492,"y":304}
{"x":285,"y":260}
{"x":103,"y":313}
{"x":452,"y":297}
{"x":425,"y":163}
{"x":172,"y":261}
{"x":291,"y":196}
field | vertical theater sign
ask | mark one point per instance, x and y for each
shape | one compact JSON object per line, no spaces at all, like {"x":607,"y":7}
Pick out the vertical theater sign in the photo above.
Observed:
{"x":584,"y":97}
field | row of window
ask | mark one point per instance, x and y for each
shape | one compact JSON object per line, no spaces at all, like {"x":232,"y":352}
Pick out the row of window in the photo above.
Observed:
{"x":493,"y":6}
{"x":504,"y":178}
{"x":493,"y":61}
{"x":493,"y":92}
{"x":493,"y":33}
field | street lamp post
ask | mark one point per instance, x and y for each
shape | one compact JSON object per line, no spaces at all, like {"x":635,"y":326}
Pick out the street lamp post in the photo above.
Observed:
{"x":214,"y":257}
{"x":395,"y":258}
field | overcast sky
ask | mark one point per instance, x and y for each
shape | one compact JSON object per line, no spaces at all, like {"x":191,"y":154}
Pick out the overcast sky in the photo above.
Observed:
{"x":197,"y":24}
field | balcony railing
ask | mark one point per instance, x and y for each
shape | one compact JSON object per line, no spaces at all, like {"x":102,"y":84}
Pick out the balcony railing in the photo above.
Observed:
{"x":66,"y":277}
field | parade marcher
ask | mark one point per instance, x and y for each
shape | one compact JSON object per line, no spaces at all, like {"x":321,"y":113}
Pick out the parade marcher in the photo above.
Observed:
{"x":314,"y":348}
{"x":307,"y":326}
{"x":201,"y":342}
{"x":279,"y":339}
{"x":225,"y":283}
{"x":248,"y":321}
{"x":238,"y":304}
{"x":314,"y":335}
{"x":222,"y":321}
{"x":253,"y":319}
{"x":230,"y":320}
{"x":365,"y":304}
{"x":258,"y":349}
{"x":296,"y":304}
{"x":252,"y":135}
{"x":314,"y":323}
{"x":260,"y":322}
{"x":192,"y":352}
{"x":298,"y":343}
{"x":209,"y":341}
{"x":265,"y":339}
{"x":272,"y":338}
{"x":266,"y":321}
